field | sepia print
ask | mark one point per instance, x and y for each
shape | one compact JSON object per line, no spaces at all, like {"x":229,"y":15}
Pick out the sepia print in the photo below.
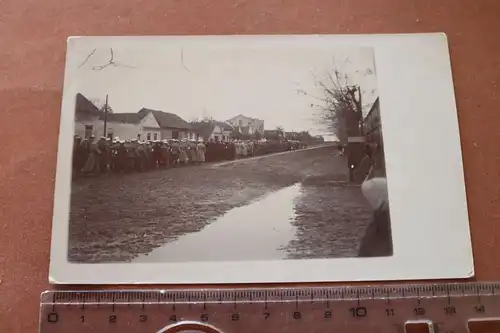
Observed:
{"x":286,"y":164}
{"x":197,"y":152}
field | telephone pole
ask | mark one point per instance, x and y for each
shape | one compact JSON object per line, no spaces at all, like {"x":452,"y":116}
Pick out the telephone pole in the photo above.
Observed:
{"x":360,"y":109}
{"x":106,"y":116}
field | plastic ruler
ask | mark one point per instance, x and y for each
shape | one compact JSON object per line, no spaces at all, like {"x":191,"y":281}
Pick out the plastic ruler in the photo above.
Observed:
{"x":438,"y":308}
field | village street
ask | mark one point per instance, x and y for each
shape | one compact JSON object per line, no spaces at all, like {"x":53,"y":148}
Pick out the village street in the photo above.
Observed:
{"x":124,"y":217}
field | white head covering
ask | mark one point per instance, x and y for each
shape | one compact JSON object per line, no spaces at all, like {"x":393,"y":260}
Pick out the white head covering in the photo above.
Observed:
{"x":375,"y":192}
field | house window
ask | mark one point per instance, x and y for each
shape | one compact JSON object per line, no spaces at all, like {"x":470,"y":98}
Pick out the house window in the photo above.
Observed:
{"x":240,"y":122}
{"x":155,"y":136}
{"x":88,"y":131}
{"x":138,"y":136}
{"x":110,"y":135}
{"x":175,"y":134}
{"x":148,"y":137}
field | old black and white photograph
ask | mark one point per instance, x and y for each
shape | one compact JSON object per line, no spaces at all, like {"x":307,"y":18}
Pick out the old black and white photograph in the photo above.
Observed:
{"x":196,"y":153}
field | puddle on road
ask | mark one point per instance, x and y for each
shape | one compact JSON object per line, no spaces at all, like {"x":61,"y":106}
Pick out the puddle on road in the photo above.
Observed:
{"x":258,"y":231}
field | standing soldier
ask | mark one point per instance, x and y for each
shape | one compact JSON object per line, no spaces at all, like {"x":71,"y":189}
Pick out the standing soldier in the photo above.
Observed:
{"x":157,"y":154}
{"x":103,"y":156}
{"x":209,"y":151}
{"x":131,"y":155}
{"x":183,"y":156}
{"x":121,"y":157}
{"x":150,"y":160}
{"x":232,"y":150}
{"x":142,"y":157}
{"x":193,"y":154}
{"x":174,"y":152}
{"x":92,"y":163}
{"x":244,"y":149}
{"x":251,"y":148}
{"x":165,"y":154}
{"x":200,"y":151}
{"x":77,"y":154}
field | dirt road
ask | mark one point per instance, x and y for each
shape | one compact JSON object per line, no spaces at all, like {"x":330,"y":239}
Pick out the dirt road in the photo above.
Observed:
{"x":118,"y":217}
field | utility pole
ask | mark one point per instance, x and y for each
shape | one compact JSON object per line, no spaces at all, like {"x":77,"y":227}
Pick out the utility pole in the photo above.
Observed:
{"x":106,"y":116}
{"x":360,"y":108}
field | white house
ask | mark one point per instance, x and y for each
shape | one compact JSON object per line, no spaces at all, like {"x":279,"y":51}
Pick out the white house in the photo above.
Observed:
{"x":171,"y":125}
{"x":132,"y":126}
{"x":212,"y":130}
{"x":253,"y":124}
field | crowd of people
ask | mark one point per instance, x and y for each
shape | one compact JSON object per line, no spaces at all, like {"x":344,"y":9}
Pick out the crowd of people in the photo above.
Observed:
{"x":94,"y":156}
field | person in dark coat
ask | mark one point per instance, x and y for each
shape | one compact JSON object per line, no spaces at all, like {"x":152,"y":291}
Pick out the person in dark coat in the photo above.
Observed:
{"x":377,"y":240}
{"x":157,"y":154}
{"x":174,"y":152}
{"x":121,"y":157}
{"x":165,"y":154}
{"x":78,"y":154}
{"x":209,"y":155}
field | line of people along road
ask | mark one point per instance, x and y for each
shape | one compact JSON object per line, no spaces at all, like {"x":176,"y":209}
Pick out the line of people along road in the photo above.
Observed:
{"x":94,"y":156}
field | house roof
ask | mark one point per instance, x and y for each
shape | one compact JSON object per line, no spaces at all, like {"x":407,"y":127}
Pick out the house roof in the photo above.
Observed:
{"x":241,"y":115}
{"x":203,"y":128}
{"x":224,"y":126}
{"x":83,"y":105}
{"x":206,"y":128}
{"x":166,"y":119}
{"x":129,"y":118}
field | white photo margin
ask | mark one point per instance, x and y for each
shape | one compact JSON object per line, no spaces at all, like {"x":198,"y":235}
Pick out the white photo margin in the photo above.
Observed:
{"x":428,"y":208}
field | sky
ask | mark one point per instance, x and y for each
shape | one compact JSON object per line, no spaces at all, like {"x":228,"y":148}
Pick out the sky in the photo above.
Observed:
{"x":224,"y":79}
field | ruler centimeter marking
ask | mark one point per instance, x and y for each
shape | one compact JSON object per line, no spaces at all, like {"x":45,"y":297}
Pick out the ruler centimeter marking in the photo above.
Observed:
{"x":444,"y":308}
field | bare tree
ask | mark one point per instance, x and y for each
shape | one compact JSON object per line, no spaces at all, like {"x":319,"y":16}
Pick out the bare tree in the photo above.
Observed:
{"x":340,"y":107}
{"x":100,"y":105}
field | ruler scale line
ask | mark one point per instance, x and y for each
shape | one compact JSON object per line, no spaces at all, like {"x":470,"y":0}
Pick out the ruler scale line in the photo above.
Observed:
{"x":294,"y":309}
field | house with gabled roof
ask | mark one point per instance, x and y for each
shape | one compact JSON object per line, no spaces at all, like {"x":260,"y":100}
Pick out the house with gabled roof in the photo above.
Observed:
{"x":86,"y":117}
{"x":128,"y":126}
{"x":212,"y":130}
{"x":171,"y":125}
{"x":253,"y":124}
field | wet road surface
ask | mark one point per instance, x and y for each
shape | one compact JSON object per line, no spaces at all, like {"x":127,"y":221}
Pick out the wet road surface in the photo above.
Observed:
{"x":294,"y":205}
{"x":258,"y":231}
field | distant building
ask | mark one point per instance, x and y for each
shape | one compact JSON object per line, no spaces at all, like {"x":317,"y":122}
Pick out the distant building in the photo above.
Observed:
{"x":241,"y":123}
{"x":212,"y":130}
{"x":372,"y":125}
{"x":273,"y":135}
{"x":292,"y":135}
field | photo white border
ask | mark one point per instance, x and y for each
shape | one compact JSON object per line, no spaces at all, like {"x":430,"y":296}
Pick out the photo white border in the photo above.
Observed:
{"x":428,"y":209}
